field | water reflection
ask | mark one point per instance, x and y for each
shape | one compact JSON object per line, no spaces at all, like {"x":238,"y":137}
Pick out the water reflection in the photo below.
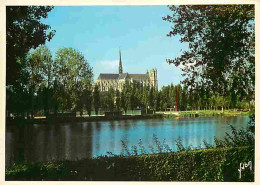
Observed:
{"x":81,"y":140}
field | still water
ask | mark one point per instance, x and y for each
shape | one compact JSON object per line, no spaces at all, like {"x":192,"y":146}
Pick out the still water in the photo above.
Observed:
{"x":74,"y":141}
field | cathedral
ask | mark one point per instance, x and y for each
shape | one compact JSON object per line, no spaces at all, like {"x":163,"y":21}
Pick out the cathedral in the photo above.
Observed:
{"x":117,"y":81}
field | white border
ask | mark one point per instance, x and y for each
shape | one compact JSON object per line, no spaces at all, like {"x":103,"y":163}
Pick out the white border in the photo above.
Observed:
{"x":103,"y":3}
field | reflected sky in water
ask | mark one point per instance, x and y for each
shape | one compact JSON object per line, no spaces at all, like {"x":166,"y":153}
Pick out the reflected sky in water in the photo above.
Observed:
{"x":74,"y":141}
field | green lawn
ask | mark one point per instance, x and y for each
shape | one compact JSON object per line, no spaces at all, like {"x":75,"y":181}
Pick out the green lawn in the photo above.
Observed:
{"x":208,"y":113}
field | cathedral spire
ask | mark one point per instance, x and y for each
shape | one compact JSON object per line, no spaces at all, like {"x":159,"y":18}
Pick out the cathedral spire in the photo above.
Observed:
{"x":120,"y":63}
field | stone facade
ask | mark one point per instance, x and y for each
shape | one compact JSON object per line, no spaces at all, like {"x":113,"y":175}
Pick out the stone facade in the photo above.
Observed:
{"x":117,"y":81}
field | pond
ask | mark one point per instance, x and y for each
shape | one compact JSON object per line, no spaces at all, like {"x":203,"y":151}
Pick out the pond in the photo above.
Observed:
{"x":74,"y":141}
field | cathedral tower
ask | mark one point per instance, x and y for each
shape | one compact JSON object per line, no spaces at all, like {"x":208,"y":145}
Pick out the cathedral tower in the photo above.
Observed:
{"x":120,"y":63}
{"x":153,"y":78}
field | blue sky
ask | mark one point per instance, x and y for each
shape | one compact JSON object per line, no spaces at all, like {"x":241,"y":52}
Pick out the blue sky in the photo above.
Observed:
{"x":99,"y":31}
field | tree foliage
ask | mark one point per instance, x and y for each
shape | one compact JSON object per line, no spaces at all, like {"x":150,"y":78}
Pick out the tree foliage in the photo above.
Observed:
{"x":39,"y":67}
{"x":24,"y":30}
{"x":96,"y":99}
{"x":73,"y":75}
{"x":221,"y":46}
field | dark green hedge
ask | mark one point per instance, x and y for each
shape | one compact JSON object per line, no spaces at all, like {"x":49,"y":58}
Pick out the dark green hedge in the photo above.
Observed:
{"x":217,"y":164}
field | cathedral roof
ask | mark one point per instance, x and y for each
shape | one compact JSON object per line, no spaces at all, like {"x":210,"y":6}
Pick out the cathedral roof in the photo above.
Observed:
{"x":112,"y":76}
{"x":108,"y":76}
{"x":138,"y":76}
{"x":122,"y":76}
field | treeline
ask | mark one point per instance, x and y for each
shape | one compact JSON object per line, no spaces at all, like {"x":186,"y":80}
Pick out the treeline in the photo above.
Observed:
{"x":176,"y":97}
{"x":200,"y":98}
{"x":49,"y":85}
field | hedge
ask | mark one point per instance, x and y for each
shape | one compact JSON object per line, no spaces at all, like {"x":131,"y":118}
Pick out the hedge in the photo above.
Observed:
{"x":215,"y":164}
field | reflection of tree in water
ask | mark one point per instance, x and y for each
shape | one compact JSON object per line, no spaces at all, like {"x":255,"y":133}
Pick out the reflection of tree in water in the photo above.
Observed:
{"x":223,"y":120}
{"x":112,"y":125}
{"x":112,"y":140}
{"x":96,"y":140}
{"x":208,"y":134}
{"x":125,"y":124}
{"x":72,"y":145}
{"x":41,"y":142}
{"x":73,"y":141}
{"x":88,"y":141}
{"x":19,"y":143}
{"x":10,"y":145}
{"x":98,"y":126}
{"x":59,"y":142}
{"x":184,"y":133}
{"x":46,"y":138}
{"x":193,"y":138}
{"x":81,"y":140}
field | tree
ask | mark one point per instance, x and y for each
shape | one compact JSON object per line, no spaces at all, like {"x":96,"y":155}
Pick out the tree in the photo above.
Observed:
{"x":123,"y":99}
{"x":191,"y":100}
{"x":172,"y":96}
{"x":184,"y":98}
{"x":110,"y":101}
{"x":178,"y":92}
{"x":73,"y":75}
{"x":24,"y":31}
{"x":131,"y":97}
{"x":48,"y":78}
{"x":146,"y":98}
{"x":39,"y":68}
{"x":96,"y":99}
{"x":88,"y":101}
{"x":139,"y":96}
{"x":221,"y":46}
{"x":151,"y":99}
{"x":158,"y":101}
{"x":212,"y":102}
{"x":117,"y":100}
{"x":18,"y":101}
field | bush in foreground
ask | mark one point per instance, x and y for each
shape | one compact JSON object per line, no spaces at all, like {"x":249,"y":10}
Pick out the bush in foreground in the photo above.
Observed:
{"x":216,"y":164}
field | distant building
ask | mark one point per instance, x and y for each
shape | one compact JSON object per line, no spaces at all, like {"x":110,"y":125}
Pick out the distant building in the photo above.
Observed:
{"x":117,"y":81}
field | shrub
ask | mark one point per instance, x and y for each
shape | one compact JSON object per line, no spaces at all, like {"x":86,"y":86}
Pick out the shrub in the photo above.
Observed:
{"x":215,"y":164}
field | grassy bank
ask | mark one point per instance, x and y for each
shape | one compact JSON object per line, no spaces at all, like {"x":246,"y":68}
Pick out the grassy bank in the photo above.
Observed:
{"x":215,"y":164}
{"x":204,"y":113}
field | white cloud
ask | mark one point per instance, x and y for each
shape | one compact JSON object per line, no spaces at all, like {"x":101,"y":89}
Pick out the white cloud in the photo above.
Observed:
{"x":106,"y":66}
